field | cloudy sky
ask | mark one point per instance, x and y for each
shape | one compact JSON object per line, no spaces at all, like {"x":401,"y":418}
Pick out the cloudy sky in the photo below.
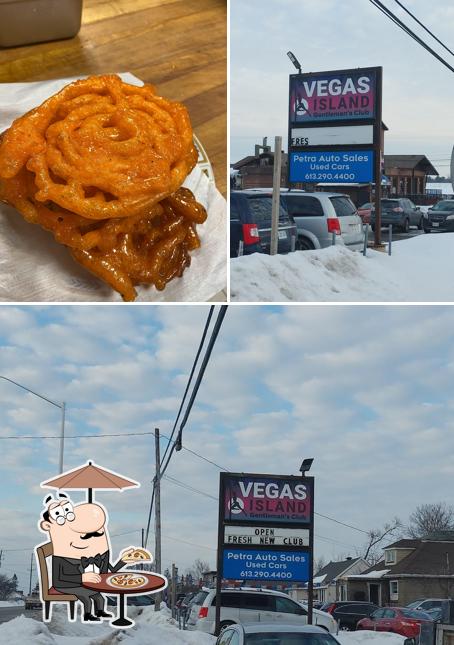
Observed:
{"x":366,"y":391}
{"x":418,"y":91}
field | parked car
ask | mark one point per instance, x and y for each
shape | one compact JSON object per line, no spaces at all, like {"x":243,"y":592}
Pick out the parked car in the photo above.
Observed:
{"x":399,"y":620}
{"x":401,"y":213}
{"x":133,"y":601}
{"x":364,"y":212}
{"x":277,"y":634}
{"x":33,"y":601}
{"x":250,"y":605}
{"x":318,"y":215}
{"x":424,"y":604}
{"x":250,"y":223}
{"x":440,"y":218}
{"x":348,"y":612}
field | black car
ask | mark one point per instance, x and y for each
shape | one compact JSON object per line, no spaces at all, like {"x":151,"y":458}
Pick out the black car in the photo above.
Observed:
{"x":440,"y":218}
{"x":250,"y":223}
{"x":401,"y":213}
{"x":349,"y":612}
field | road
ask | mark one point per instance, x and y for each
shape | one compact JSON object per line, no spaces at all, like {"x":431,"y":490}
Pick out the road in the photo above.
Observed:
{"x":8,"y":613}
{"x":397,"y":237}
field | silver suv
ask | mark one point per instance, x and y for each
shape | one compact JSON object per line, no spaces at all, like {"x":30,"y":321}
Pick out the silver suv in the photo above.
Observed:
{"x":251,"y":605}
{"x":318,"y":215}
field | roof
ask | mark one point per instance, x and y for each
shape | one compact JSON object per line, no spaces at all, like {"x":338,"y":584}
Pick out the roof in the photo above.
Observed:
{"x":419,"y":162}
{"x":406,"y":543}
{"x":430,"y":557}
{"x":334,"y":569}
{"x":243,"y":162}
{"x":374,"y":574}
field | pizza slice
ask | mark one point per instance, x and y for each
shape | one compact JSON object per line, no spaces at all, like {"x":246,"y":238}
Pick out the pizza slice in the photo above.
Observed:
{"x":135,"y":554}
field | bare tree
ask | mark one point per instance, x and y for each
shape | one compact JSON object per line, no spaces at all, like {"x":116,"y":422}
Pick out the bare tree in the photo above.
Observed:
{"x":431,"y":518}
{"x":198,"y":569}
{"x":378,"y":538}
{"x":319,"y":564}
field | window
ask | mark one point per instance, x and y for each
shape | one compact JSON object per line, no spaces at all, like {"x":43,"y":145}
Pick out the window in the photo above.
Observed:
{"x":287,"y":606}
{"x":394,"y":589}
{"x":343,"y":206}
{"x":303,"y":206}
{"x":229,"y":599}
{"x":342,"y":592}
{"x":260,"y":208}
{"x":257,"y":601}
{"x":389,"y":613}
{"x":390,"y":557}
{"x":234,"y":210}
{"x":377,"y":614}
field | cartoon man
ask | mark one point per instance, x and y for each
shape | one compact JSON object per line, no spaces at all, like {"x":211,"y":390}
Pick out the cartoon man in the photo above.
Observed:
{"x":81,"y":550}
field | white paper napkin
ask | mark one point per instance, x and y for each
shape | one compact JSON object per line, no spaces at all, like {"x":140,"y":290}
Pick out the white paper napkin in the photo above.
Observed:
{"x":36,"y":268}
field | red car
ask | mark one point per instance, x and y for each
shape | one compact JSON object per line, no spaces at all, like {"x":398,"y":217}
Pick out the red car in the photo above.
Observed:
{"x":399,"y":620}
{"x":364,"y":212}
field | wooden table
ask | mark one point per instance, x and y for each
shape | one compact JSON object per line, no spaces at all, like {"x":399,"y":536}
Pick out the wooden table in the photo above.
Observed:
{"x":154,"y":583}
{"x":178,"y":45}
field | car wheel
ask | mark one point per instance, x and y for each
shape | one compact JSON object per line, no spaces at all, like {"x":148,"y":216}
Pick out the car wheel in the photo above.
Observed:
{"x":421,"y":224}
{"x":303,"y":244}
{"x":223,"y":625}
{"x":426,"y":230}
{"x":406,"y":226}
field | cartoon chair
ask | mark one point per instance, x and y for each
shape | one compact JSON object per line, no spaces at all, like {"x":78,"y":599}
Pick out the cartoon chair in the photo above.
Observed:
{"x":49,"y":594}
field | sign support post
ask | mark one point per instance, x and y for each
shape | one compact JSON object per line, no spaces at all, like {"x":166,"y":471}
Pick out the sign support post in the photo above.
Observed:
{"x":378,"y":153}
{"x":276,"y":195}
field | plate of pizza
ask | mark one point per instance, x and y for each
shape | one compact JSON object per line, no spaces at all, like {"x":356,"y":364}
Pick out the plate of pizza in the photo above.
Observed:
{"x":127,"y":581}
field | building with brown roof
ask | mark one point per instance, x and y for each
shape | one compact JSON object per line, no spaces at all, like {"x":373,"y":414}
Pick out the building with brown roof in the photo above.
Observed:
{"x":411,"y":569}
{"x":408,"y":174}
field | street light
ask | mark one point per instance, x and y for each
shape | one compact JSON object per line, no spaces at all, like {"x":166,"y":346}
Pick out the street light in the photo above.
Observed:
{"x":295,"y":61}
{"x":306,"y":466}
{"x":62,"y":407}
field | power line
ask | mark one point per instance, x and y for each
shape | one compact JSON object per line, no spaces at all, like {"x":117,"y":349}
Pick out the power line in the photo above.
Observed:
{"x":194,"y":364}
{"x":389,"y":14}
{"x":423,"y":26}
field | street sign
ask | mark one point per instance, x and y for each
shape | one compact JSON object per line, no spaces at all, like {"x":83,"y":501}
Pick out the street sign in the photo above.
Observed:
{"x":265,"y":535}
{"x":346,"y":166}
{"x":288,"y":566}
{"x":333,"y":136}
{"x":332,"y":96}
{"x":259,"y":498}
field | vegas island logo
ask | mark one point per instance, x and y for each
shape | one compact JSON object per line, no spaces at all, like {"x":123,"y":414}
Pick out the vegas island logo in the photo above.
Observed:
{"x":75,"y":562}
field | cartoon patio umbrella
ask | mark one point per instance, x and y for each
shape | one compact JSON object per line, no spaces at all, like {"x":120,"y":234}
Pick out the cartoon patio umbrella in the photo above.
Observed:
{"x":89,"y":477}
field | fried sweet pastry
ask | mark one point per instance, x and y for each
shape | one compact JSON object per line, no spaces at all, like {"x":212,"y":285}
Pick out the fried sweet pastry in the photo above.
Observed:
{"x":100,"y":165}
{"x":143,"y":249}
{"x":102,"y":148}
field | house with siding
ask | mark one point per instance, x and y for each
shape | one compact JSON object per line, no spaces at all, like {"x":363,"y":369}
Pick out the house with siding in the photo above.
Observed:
{"x":411,"y":569}
{"x":330,"y":582}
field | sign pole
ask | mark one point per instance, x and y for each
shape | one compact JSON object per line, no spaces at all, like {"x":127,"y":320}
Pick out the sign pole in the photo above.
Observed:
{"x":310,"y":584}
{"x":378,"y":151}
{"x":219,"y":559}
{"x":276,"y":195}
{"x":157,"y":555}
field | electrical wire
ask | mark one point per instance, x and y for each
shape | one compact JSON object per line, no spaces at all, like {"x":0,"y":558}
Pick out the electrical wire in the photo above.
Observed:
{"x":389,"y":14}
{"x":194,"y":364}
{"x":423,"y":26}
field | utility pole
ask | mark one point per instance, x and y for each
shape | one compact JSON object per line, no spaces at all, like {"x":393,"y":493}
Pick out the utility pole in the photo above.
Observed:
{"x":31,"y":569}
{"x":174,"y":588}
{"x":157,"y":515}
{"x":1,"y":555}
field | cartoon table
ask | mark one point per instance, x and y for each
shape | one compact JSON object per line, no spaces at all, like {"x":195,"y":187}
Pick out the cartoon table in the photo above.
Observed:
{"x":154,"y":583}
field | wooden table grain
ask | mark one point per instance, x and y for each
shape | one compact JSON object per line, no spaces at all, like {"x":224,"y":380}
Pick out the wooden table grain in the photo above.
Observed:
{"x":177,"y":45}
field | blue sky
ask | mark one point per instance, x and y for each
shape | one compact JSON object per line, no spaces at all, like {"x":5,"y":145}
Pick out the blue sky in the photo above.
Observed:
{"x":366,"y":391}
{"x":327,"y":34}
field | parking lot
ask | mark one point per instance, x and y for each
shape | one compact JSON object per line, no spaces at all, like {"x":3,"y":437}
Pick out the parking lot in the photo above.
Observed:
{"x":397,"y":236}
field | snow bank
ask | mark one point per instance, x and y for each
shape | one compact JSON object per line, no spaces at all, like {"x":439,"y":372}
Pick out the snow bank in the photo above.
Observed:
{"x":365,"y":637}
{"x":12,"y":603}
{"x":418,"y":270}
{"x":151,"y":628}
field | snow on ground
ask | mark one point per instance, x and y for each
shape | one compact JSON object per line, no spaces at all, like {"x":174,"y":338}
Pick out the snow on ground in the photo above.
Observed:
{"x":445,"y":187}
{"x":419,"y":270}
{"x":12,"y":603}
{"x":151,"y":628}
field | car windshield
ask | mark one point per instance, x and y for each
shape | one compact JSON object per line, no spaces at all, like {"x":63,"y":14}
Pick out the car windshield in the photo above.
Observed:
{"x":343,"y":206}
{"x":200,"y":597}
{"x":390,"y":203}
{"x":444,"y":206}
{"x":413,"y":613}
{"x":289,"y":638}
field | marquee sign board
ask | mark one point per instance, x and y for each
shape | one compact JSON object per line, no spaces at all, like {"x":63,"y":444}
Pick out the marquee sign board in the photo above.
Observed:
{"x":265,"y":536}
{"x":265,"y":530}
{"x":333,"y":136}
{"x":331,"y":96}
